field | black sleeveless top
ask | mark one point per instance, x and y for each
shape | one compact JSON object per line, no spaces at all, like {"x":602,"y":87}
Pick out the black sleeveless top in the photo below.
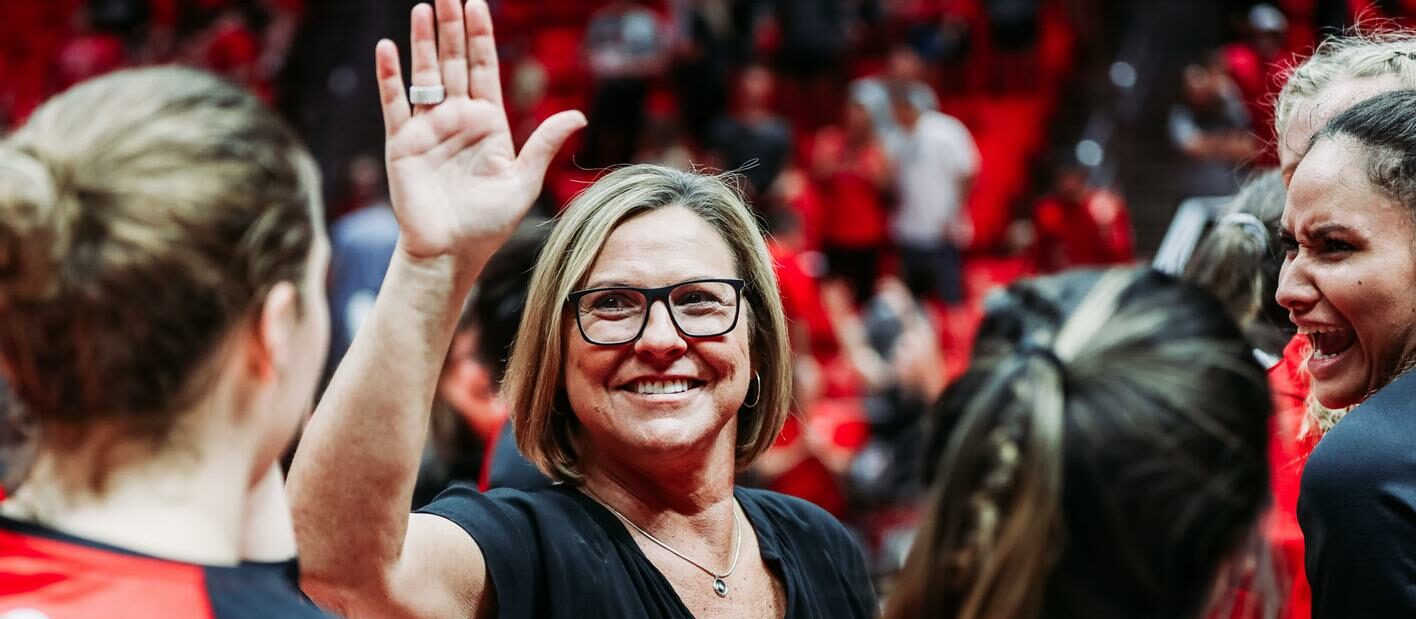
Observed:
{"x":554,"y":552}
{"x":1357,"y":507}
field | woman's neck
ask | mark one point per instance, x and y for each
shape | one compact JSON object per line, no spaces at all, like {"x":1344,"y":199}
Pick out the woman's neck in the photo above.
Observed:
{"x":697,"y":494}
{"x":187,"y":505}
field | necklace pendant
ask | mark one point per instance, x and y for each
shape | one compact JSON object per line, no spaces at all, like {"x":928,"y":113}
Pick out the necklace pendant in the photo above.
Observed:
{"x":720,"y":587}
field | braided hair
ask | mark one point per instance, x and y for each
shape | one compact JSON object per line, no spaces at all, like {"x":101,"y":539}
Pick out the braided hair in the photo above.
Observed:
{"x":1102,"y":457}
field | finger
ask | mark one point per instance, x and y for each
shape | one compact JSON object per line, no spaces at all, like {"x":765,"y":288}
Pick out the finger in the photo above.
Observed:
{"x":424,"y":49}
{"x":548,"y":138}
{"x":392,"y":97}
{"x":452,"y":47}
{"x":484,"y":75}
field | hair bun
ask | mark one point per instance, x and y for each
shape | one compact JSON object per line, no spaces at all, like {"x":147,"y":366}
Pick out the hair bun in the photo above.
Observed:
{"x":33,"y":230}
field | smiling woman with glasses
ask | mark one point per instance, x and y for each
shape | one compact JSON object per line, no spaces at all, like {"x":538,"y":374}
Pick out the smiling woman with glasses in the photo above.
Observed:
{"x":651,"y":365}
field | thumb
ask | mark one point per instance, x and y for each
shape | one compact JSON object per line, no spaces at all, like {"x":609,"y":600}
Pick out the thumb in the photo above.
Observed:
{"x":541,"y":147}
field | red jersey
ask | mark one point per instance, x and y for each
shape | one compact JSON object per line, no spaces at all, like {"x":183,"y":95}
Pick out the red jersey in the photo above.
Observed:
{"x":47,"y":574}
{"x":1288,"y":452}
{"x":853,"y":213}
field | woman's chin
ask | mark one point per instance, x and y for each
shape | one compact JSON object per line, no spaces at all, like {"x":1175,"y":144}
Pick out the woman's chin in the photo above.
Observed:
{"x":1337,"y":397}
{"x":666,"y":437}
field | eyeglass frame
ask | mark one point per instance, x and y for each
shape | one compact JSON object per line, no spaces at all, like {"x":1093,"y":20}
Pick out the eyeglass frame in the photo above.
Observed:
{"x":652,"y":295}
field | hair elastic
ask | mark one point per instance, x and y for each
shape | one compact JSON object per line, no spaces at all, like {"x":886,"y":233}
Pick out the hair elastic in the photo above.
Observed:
{"x":1251,"y":225}
{"x":1032,"y":348}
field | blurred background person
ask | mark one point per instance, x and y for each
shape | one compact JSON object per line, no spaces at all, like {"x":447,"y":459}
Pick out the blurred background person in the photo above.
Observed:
{"x":362,"y":240}
{"x":856,"y":177}
{"x":813,"y":38}
{"x":936,"y":167}
{"x":1258,"y":64}
{"x":1077,"y":225}
{"x":496,"y":309}
{"x":1212,"y":128}
{"x":753,"y":140}
{"x":703,"y":63}
{"x":905,"y":69}
{"x":625,"y":49}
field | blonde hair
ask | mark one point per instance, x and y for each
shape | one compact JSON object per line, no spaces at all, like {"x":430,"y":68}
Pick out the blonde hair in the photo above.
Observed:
{"x":1354,"y":56}
{"x":142,"y":214}
{"x":545,"y":426}
{"x":1239,"y":259}
{"x":1110,"y":429}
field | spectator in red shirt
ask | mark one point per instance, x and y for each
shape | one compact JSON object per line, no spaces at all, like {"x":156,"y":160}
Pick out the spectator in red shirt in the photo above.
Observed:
{"x":1256,"y":65}
{"x":850,"y":166}
{"x":1080,"y":225}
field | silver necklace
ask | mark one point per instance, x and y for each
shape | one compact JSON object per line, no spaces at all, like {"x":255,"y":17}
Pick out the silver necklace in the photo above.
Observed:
{"x":720,"y":587}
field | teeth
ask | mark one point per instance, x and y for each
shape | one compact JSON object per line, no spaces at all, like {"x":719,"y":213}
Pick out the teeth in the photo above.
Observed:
{"x":659,"y":387}
{"x":1314,"y":335}
{"x":1318,"y":330}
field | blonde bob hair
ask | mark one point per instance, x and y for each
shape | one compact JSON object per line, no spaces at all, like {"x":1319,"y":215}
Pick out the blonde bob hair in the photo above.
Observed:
{"x":546,"y":428}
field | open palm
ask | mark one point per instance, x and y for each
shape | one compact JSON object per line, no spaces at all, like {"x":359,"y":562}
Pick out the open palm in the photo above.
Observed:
{"x":457,"y":185}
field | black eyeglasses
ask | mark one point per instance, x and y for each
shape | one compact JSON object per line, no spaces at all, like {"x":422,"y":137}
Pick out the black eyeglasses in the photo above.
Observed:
{"x":698,"y":308}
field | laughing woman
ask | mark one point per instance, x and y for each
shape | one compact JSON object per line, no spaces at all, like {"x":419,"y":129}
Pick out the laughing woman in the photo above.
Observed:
{"x":1347,"y":282}
{"x":651,"y":365}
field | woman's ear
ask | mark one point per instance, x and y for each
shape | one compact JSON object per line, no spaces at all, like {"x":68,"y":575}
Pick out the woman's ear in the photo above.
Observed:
{"x":271,"y":342}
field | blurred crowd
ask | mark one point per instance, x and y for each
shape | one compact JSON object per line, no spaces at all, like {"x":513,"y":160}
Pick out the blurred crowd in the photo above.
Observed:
{"x":49,"y":46}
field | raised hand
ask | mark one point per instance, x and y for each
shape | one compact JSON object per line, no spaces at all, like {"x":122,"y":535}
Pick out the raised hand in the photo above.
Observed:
{"x":457,"y":185}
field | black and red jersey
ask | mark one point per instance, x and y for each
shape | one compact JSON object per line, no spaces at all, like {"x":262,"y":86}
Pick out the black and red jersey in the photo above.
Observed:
{"x":45,"y":574}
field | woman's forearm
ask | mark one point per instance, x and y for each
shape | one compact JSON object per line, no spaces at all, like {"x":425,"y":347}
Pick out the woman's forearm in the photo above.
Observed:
{"x":352,"y":479}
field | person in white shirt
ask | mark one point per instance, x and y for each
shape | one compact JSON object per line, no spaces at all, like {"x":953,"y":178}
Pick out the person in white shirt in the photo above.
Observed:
{"x":937,"y":163}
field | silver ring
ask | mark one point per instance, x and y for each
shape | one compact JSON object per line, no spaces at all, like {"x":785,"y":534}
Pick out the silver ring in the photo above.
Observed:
{"x":426,"y":95}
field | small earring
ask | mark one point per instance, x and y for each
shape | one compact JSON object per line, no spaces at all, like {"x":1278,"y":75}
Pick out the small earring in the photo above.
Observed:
{"x":756,"y":377}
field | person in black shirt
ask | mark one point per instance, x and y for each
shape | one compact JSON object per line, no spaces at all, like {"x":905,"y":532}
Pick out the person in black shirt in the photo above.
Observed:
{"x":1348,"y":232}
{"x":1105,"y":455}
{"x":162,"y":265}
{"x":651,"y":364}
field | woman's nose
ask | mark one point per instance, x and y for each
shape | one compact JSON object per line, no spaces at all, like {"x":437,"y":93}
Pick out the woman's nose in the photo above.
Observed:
{"x":661,"y":338}
{"x":1296,"y":292}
